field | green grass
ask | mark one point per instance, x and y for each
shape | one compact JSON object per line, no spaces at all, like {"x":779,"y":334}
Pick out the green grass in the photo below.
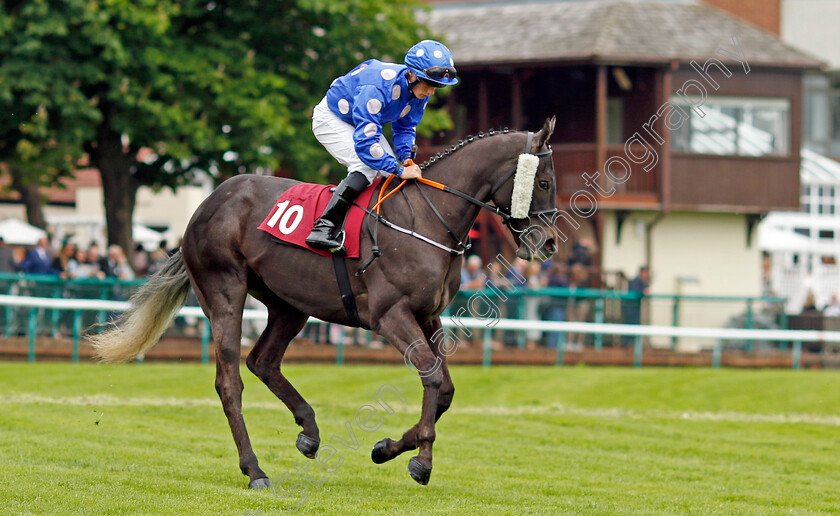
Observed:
{"x":152,"y":439}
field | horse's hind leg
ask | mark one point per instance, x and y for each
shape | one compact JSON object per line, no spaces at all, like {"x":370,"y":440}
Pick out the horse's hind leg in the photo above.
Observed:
{"x":388,"y":449}
{"x":284,"y":322}
{"x":223,"y":297}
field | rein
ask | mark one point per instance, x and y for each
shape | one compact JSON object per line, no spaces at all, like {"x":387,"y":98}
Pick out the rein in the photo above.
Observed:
{"x":506,"y":217}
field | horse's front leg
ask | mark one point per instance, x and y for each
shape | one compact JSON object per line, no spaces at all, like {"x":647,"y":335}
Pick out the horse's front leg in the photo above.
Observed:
{"x":440,"y":347}
{"x":400,"y":328}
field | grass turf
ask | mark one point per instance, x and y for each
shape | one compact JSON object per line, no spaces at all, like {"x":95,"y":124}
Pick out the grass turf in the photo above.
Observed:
{"x":152,"y":439}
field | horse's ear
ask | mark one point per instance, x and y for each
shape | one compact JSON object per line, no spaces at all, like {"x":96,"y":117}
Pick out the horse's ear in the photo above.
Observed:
{"x":543,"y":135}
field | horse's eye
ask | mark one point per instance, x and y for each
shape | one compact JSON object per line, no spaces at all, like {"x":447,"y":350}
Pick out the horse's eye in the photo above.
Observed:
{"x":544,"y":185}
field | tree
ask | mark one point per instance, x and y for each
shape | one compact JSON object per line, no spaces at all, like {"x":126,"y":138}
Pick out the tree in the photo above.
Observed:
{"x":33,"y":158}
{"x":225,"y":87}
{"x":34,"y":147}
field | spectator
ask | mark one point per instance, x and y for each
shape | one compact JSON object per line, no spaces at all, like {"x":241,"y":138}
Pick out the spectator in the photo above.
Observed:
{"x":534,"y":280}
{"x":641,"y":282}
{"x":157,"y":259}
{"x":8,"y":264}
{"x":810,"y":318}
{"x":516,"y":272}
{"x":96,"y":264}
{"x":555,"y":309}
{"x":37,"y":260}
{"x":832,"y":309}
{"x":77,"y":266}
{"x":510,"y":280}
{"x":810,"y":306}
{"x":581,"y":253}
{"x":578,"y":307}
{"x":472,"y":277}
{"x":495,"y":276}
{"x":116,"y":264}
{"x":61,"y":263}
{"x":632,"y":308}
{"x":7,"y":258}
{"x":140,"y":261}
{"x":766,"y":275}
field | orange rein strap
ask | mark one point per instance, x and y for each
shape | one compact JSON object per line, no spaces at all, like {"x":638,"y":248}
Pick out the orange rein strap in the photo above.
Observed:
{"x":433,"y":184}
{"x":381,"y":199}
{"x":382,"y":191}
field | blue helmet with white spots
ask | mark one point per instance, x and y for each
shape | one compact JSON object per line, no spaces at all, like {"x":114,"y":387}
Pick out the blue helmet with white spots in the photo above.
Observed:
{"x":432,"y":61}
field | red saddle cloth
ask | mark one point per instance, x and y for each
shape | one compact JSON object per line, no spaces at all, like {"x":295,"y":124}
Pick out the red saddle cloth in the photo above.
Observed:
{"x":293,"y":215}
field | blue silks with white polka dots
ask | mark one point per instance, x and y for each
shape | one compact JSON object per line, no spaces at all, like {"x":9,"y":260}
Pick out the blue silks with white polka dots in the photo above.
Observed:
{"x":371,"y":95}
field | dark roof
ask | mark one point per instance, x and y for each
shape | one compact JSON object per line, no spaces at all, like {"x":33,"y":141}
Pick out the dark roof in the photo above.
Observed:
{"x":65,"y":194}
{"x":603,"y":31}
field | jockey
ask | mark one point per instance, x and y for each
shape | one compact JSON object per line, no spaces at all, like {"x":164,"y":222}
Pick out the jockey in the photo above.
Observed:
{"x":348,"y":123}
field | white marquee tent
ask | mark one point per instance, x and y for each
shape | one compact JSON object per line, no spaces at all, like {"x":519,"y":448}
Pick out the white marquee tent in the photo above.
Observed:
{"x":17,"y":232}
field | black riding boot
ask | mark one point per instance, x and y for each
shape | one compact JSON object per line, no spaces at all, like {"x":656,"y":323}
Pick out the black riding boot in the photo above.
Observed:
{"x":326,"y":234}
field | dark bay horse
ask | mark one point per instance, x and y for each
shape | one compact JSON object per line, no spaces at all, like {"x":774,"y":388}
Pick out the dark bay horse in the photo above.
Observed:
{"x":400,"y":296}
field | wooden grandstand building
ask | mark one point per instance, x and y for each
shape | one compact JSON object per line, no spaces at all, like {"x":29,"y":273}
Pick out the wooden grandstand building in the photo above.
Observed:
{"x":695,"y":113}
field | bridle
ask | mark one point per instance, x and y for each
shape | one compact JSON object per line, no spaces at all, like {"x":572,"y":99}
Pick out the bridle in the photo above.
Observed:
{"x":506,"y":217}
{"x":508,"y":220}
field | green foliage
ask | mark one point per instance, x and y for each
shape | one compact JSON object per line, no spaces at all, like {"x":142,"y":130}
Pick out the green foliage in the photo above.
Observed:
{"x":434,"y":120}
{"x":222,"y":86}
{"x":310,"y":43}
{"x":35,"y":132}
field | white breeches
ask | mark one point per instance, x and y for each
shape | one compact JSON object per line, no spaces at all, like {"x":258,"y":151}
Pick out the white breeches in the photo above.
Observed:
{"x":336,"y":136}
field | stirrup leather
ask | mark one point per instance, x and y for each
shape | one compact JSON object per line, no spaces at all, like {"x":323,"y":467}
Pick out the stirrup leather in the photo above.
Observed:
{"x":328,"y":231}
{"x":339,"y":249}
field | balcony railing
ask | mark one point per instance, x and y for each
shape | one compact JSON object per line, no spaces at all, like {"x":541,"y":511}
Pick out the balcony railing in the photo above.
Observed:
{"x":698,"y":181}
{"x":572,"y":160}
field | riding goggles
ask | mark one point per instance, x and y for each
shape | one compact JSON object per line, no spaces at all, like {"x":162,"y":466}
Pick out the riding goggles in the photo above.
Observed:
{"x":441,"y":72}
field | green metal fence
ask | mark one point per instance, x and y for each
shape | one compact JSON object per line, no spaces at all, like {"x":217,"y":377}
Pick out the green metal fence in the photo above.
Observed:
{"x":638,"y":332}
{"x":613,"y":306}
{"x":16,"y":321}
{"x":549,"y":303}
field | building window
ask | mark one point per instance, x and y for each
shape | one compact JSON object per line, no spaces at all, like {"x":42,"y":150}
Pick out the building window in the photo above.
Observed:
{"x":734,"y":126}
{"x":825,"y":200}
{"x":821,"y":112}
{"x":816,"y":113}
{"x":805,"y":199}
{"x":615,"y":121}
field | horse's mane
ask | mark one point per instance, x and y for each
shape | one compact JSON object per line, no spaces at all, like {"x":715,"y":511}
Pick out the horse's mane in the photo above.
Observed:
{"x":461,"y":144}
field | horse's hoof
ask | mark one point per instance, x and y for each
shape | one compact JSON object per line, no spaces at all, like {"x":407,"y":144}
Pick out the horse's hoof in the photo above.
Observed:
{"x":379,"y":454}
{"x":419,"y":472}
{"x":307,"y":445}
{"x":260,"y":483}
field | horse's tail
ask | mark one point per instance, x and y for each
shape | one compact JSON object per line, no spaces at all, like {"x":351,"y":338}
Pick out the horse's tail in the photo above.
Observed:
{"x":153,"y":307}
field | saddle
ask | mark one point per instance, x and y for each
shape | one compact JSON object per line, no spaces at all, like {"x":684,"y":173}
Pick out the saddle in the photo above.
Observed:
{"x":293,"y":215}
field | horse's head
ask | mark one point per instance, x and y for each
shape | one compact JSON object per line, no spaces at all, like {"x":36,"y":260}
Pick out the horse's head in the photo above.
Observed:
{"x":529,"y":196}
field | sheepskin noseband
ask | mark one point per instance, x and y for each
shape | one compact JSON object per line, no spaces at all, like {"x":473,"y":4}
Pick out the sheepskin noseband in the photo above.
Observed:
{"x":523,"y":185}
